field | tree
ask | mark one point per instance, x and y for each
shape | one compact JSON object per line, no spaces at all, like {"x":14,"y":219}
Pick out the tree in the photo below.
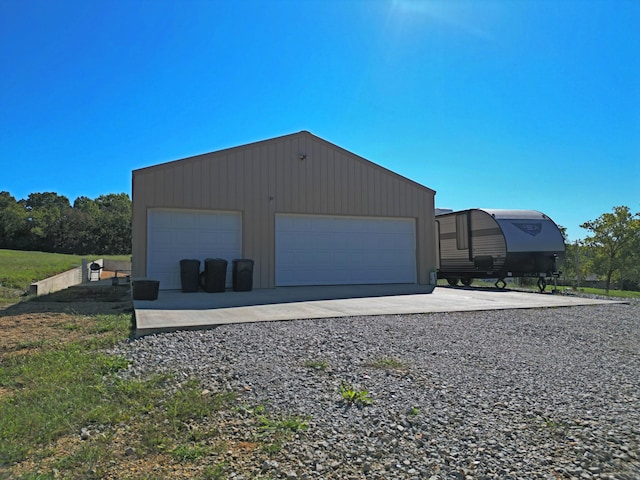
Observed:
{"x":114,"y":228}
{"x":47,"y":215}
{"x":13,"y":227}
{"x":614,"y":243}
{"x":84,"y":235}
{"x":47,"y":222}
{"x":576,"y":261}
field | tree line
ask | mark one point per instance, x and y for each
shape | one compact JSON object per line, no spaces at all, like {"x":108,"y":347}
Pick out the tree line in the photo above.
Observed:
{"x":610,"y":253}
{"x":47,"y":222}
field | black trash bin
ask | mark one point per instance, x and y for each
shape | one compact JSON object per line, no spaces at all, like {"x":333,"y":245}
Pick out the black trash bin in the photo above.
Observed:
{"x":242,"y":275}
{"x":214,"y":277}
{"x":145,"y":289}
{"x":189,"y":275}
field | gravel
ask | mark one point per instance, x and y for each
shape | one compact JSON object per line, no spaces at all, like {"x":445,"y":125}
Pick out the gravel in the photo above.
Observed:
{"x":510,"y":394}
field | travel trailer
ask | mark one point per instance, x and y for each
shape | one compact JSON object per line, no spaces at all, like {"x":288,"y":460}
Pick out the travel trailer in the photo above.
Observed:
{"x":501,"y":244}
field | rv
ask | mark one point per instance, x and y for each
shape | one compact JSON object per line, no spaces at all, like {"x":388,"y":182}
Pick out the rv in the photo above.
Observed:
{"x":488,"y":243}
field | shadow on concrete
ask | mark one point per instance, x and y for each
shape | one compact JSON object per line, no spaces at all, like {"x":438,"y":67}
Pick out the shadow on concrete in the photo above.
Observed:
{"x":176,"y":300}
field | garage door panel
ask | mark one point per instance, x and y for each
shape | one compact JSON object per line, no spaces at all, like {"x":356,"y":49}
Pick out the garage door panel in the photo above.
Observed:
{"x":400,"y":242}
{"x":184,"y":221}
{"x":176,"y":234}
{"x":321,"y":250}
{"x":221,"y":240}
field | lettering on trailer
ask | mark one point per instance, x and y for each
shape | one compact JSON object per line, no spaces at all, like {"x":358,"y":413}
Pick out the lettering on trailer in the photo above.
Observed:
{"x":532,"y":229}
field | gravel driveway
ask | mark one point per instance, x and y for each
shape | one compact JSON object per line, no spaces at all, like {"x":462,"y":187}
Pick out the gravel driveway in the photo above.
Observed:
{"x":527,"y":394}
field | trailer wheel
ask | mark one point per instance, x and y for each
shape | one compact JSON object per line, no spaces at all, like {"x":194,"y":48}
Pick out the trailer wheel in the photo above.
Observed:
{"x":542,"y":284}
{"x":466,"y":281}
{"x":452,"y":281}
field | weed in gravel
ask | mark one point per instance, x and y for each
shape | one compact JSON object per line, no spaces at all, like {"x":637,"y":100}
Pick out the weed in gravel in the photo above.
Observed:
{"x":552,"y":425}
{"x":353,"y":396}
{"x":283,"y":424}
{"x":272,"y":447}
{"x":189,"y":403}
{"x":86,"y":457}
{"x":188,"y":453}
{"x":155,"y":439}
{"x":215,"y":472}
{"x":273,"y":431}
{"x":317,"y":364}
{"x":389,"y":363}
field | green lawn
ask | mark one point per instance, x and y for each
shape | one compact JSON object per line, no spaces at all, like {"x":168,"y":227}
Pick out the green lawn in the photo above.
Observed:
{"x":19,"y":269}
{"x":53,"y":388}
{"x":479,"y":283}
{"x":612,"y":293}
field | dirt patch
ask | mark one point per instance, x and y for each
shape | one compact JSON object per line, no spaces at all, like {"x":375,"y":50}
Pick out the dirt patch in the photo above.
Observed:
{"x":58,"y":317}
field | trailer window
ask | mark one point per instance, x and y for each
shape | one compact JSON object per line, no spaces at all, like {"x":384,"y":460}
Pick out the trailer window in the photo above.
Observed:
{"x":462,"y":231}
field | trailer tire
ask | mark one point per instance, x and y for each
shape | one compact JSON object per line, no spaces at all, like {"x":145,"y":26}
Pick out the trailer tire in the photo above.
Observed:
{"x":452,"y":281}
{"x":467,"y":281}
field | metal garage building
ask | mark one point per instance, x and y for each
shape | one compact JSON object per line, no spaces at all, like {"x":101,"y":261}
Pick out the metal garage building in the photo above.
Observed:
{"x":306,"y":211}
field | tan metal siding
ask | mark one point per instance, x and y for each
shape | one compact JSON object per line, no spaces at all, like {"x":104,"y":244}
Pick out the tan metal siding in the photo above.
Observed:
{"x":268,"y":177}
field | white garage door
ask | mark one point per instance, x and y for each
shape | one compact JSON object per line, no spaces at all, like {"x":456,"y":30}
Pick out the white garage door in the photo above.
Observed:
{"x":176,"y":234}
{"x":322,"y":250}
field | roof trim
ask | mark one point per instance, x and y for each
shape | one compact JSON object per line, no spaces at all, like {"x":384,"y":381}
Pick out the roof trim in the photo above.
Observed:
{"x":362,"y":159}
{"x":281,"y":138}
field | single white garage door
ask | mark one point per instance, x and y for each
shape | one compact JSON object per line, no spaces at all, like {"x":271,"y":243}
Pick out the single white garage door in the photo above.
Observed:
{"x":330,"y":250}
{"x":173,"y":235}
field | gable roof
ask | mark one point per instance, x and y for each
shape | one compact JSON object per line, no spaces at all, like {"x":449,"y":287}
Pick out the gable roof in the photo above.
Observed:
{"x":283,"y":138}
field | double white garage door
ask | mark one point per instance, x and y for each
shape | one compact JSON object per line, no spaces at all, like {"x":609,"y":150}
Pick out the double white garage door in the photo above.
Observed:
{"x":322,"y":250}
{"x":309,"y":249}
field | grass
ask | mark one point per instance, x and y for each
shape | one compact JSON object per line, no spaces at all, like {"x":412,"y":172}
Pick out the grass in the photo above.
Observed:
{"x":55,"y":389}
{"x":389,"y":363}
{"x":612,"y":293}
{"x":282,"y":424}
{"x":316,"y":364}
{"x":20,"y":269}
{"x":215,"y":472}
{"x":271,"y":431}
{"x":479,"y":283}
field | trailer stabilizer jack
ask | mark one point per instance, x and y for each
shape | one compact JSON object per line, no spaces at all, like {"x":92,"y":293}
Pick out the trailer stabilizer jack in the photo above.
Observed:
{"x":501,"y":284}
{"x":542,"y":284}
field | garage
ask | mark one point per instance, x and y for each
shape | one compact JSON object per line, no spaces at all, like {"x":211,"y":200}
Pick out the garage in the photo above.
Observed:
{"x":339,"y":250}
{"x":304,"y":210}
{"x":174,"y":234}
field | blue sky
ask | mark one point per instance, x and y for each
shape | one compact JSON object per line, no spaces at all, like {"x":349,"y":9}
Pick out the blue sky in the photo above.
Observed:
{"x":498,"y":104}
